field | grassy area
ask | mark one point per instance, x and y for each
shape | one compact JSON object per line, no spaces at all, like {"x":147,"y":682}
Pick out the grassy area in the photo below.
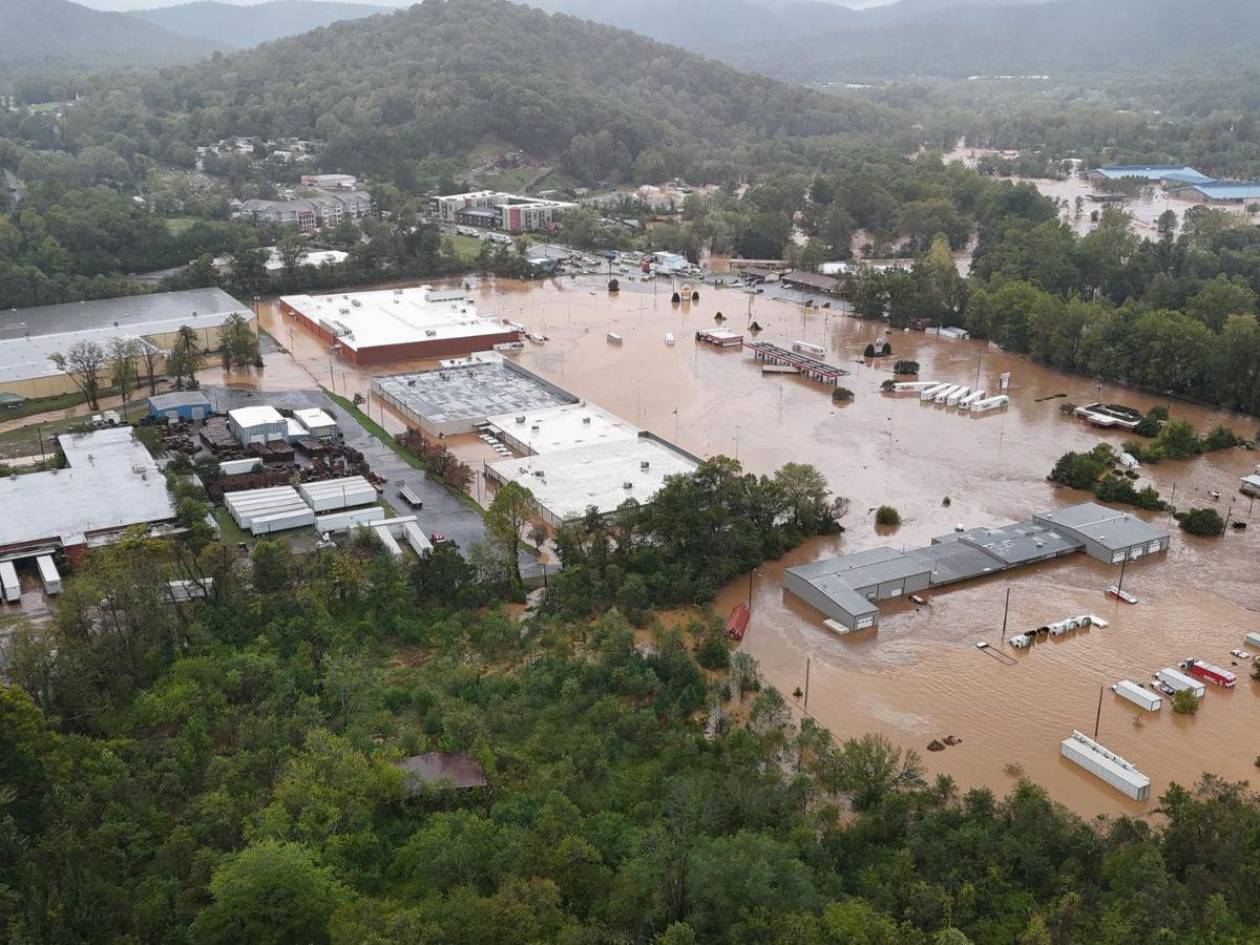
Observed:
{"x":229,"y":531}
{"x":48,"y":404}
{"x":180,"y":225}
{"x":24,"y":441}
{"x":468,"y":247}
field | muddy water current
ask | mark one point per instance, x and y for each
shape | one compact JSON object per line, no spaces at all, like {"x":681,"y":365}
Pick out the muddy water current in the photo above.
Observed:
{"x":920,"y":676}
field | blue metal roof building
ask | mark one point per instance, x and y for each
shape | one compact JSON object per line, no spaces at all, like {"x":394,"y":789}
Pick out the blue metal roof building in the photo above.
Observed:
{"x":1228,"y":191}
{"x":1152,"y":172}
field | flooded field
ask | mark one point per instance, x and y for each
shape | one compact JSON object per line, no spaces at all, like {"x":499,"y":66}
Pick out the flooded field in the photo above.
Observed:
{"x":920,"y":676}
{"x":1145,"y":208}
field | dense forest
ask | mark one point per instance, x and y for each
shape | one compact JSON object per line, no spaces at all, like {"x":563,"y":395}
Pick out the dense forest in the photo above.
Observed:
{"x":226,"y":770}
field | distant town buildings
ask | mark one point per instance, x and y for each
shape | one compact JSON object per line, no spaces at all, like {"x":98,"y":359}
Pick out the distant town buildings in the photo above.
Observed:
{"x":493,"y":210}
{"x":316,"y":210}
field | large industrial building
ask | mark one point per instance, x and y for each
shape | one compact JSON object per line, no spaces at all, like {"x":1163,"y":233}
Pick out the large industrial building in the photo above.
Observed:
{"x":30,"y":336}
{"x":398,"y":324}
{"x":1171,"y":174}
{"x":563,"y":427}
{"x":460,"y":398}
{"x":492,"y":210}
{"x":848,"y":589}
{"x":111,"y":484}
{"x":567,"y":483}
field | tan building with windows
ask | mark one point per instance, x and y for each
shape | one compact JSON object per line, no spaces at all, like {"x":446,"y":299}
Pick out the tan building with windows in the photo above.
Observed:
{"x":30,"y":336}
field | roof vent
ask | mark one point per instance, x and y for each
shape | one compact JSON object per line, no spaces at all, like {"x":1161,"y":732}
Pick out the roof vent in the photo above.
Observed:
{"x":644,"y":465}
{"x":627,"y":485}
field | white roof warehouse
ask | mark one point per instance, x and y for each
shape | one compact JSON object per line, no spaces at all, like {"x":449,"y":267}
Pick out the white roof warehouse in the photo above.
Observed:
{"x":111,"y":484}
{"x":29,"y":336}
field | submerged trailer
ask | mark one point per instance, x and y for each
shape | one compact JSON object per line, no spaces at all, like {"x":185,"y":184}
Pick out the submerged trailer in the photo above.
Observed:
{"x":1106,"y":765}
{"x":911,"y":387}
{"x":990,"y":403}
{"x":973,"y":397}
{"x":1209,"y":672}
{"x":48,"y":574}
{"x":956,"y":397}
{"x":943,"y":395}
{"x":1127,"y":689}
{"x":931,"y":392}
{"x":10,"y":588}
{"x":1252,"y":639}
{"x":1178,"y":681}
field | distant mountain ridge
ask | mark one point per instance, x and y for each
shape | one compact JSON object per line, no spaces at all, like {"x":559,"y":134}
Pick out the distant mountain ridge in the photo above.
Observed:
{"x":42,"y":34}
{"x":232,"y":25}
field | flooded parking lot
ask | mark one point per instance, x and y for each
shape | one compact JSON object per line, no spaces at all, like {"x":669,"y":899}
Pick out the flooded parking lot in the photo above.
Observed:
{"x":920,"y":676}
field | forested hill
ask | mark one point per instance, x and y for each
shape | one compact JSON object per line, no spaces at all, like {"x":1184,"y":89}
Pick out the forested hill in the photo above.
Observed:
{"x":1056,"y":38}
{"x":443,"y":77}
{"x":241,"y":27}
{"x":46,"y":34}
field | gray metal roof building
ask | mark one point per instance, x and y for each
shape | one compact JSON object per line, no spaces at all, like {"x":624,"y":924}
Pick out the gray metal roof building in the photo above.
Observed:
{"x":847,"y":589}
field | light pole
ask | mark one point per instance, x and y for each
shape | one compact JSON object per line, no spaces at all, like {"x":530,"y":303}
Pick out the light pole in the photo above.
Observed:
{"x":737,"y":443}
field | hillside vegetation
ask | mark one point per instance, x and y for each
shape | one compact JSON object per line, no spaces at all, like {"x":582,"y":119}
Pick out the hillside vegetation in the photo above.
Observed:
{"x":240,"y":27}
{"x":57,"y":34}
{"x":441,"y":77}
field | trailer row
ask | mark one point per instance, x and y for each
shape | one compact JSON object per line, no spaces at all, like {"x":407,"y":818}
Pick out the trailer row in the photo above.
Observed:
{"x":11,"y":588}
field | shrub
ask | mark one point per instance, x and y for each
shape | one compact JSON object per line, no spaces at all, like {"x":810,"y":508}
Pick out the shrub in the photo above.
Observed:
{"x":887,"y":515}
{"x":1149,"y":425}
{"x":886,"y":350}
{"x":1179,"y":441}
{"x":614,"y":285}
{"x":1205,"y":522}
{"x":675,"y":298}
{"x":712,"y":652}
{"x":869,"y":352}
{"x":1220,"y":437}
{"x":906,"y":367}
{"x":1079,"y":470}
{"x":1114,"y":488}
{"x":841,"y":395}
{"x":1185,"y":702}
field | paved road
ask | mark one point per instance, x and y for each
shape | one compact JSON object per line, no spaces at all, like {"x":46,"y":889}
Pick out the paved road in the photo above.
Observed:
{"x":443,"y":512}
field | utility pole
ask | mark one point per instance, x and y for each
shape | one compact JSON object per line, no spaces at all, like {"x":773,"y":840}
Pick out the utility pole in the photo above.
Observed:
{"x":1120,"y":584}
{"x":806,"y":705}
{"x":1098,"y":715}
{"x":1005,"y":612}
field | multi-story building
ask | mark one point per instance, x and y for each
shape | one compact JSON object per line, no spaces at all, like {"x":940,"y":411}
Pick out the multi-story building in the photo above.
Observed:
{"x":317,"y":210}
{"x":490,"y":209}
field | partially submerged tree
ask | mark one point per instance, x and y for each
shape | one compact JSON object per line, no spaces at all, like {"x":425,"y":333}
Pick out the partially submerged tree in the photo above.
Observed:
{"x":506,"y":520}
{"x":123,"y":371}
{"x":184,"y":358}
{"x":240,"y":343}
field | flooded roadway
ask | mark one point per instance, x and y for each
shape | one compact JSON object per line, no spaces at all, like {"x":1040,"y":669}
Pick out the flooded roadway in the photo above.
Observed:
{"x":920,"y":677}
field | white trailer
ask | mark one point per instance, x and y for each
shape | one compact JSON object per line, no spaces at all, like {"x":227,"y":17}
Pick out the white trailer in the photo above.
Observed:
{"x":1178,"y":681}
{"x":971,"y":398}
{"x":333,"y":494}
{"x":956,"y":397}
{"x":1252,"y":639}
{"x":348,"y":519}
{"x":48,"y":574}
{"x":1106,"y":765}
{"x":931,"y":392}
{"x":943,"y":395}
{"x":10,"y":588}
{"x":1127,"y":689}
{"x":239,"y":467}
{"x":990,"y":403}
{"x":391,"y":545}
{"x":911,"y":387}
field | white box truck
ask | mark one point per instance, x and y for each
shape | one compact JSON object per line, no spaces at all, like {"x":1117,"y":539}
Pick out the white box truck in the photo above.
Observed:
{"x":10,"y":589}
{"x":48,"y":574}
{"x":1178,"y":681}
{"x":1127,"y":689}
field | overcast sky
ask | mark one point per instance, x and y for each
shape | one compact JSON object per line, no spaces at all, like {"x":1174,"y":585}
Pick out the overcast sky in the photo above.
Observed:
{"x":149,"y":4}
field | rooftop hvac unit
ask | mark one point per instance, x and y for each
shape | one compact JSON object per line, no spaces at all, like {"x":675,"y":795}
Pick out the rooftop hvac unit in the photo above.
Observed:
{"x":644,"y":465}
{"x":627,"y":485}
{"x":412,"y":382}
{"x":586,"y":421}
{"x":356,"y":303}
{"x":343,"y":311}
{"x":538,"y":473}
{"x":430,"y":333}
{"x":398,"y":292}
{"x":520,"y":419}
{"x":534,"y":428}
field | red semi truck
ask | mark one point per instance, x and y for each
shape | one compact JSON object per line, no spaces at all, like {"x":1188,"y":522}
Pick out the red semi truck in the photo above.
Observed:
{"x":1210,"y":673}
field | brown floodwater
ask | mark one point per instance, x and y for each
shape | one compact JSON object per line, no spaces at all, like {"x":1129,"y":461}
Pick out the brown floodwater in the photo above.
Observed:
{"x":919,"y":677}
